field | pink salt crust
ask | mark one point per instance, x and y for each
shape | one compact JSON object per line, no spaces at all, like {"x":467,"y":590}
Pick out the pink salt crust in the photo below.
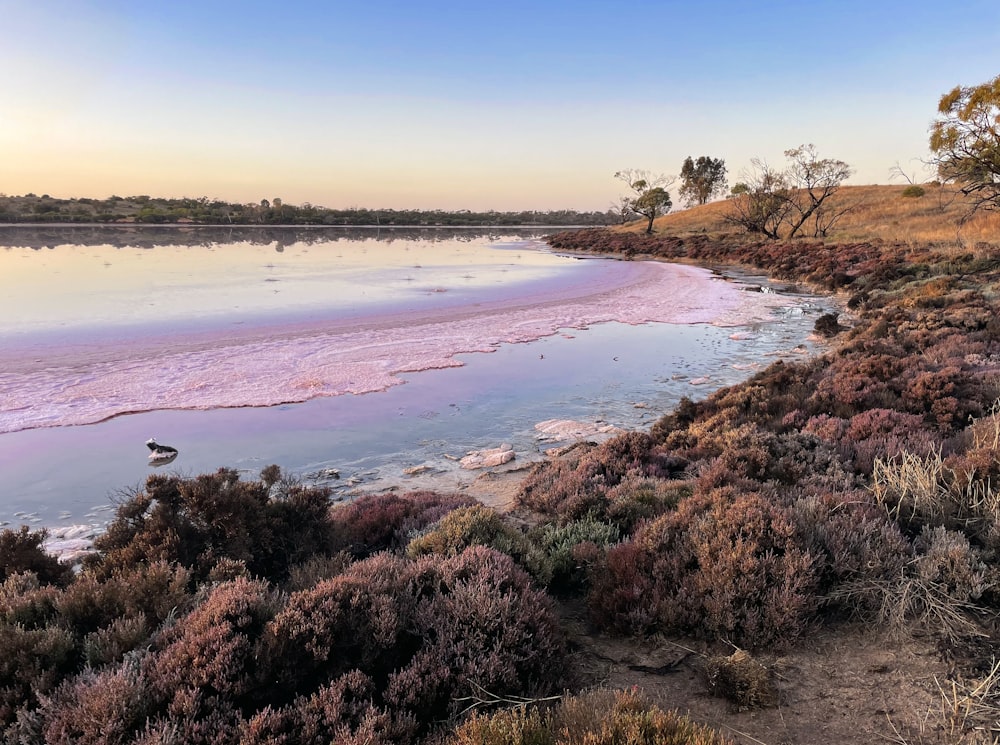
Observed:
{"x":269,"y":365}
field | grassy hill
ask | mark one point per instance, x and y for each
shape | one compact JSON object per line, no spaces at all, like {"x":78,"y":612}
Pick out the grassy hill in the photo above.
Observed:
{"x":940,"y":216}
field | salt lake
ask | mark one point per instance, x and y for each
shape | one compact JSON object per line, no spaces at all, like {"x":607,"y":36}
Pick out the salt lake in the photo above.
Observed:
{"x":366,"y":353}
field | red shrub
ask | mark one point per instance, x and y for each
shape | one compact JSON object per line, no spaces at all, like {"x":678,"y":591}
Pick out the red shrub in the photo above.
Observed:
{"x":383,"y":521}
{"x":724,"y":566}
{"x":213,"y":650}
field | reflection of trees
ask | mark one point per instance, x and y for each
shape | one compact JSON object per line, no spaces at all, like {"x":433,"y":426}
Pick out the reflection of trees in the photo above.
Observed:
{"x":146,"y":236}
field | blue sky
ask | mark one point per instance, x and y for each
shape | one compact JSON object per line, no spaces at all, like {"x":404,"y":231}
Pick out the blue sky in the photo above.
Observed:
{"x":470,"y":105}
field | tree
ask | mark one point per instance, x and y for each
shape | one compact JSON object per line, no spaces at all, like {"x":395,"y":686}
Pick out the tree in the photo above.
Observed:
{"x":651,"y":196}
{"x":965,"y":140}
{"x":702,"y":179}
{"x":760,"y":201}
{"x":766,"y":199}
{"x":814,"y":180}
{"x":622,"y":210}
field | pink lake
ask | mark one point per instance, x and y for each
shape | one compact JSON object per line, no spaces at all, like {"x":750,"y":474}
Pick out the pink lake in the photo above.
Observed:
{"x":295,"y":349}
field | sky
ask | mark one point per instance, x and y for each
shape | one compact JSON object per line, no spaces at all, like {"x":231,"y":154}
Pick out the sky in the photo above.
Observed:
{"x":465,"y":105}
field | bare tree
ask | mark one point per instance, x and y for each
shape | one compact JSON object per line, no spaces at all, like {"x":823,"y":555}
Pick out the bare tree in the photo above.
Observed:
{"x":812,"y":181}
{"x":761,"y":203}
{"x":622,"y":209}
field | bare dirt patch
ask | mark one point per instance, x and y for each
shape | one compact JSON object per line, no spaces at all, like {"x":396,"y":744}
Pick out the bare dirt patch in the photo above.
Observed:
{"x":837,"y":686}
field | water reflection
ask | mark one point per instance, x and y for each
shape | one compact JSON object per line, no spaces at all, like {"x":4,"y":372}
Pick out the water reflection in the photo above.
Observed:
{"x":145,"y":236}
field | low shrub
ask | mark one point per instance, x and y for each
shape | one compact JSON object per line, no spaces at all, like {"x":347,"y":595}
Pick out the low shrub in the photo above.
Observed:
{"x":341,"y":712}
{"x":268,"y":526}
{"x":913,"y":191}
{"x":21,"y":551}
{"x":383,"y":522}
{"x":741,"y":680}
{"x":828,"y":325}
{"x":485,"y":628}
{"x":98,"y":708}
{"x":937,"y":591}
{"x":480,"y":526}
{"x":573,"y":549}
{"x":572,"y":488}
{"x":722,"y":565}
{"x":212,"y":652}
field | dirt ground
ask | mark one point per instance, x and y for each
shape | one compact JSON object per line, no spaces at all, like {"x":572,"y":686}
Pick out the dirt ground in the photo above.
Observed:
{"x":835,"y":687}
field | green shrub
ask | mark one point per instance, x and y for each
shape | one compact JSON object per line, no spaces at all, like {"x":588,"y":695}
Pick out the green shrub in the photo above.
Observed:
{"x":382,"y":522}
{"x":480,"y":526}
{"x":571,"y":549}
{"x":913,"y":191}
{"x":197,"y":522}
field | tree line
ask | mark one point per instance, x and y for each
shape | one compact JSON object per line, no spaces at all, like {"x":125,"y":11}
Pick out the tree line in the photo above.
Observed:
{"x":799,"y":199}
{"x":31,"y":208}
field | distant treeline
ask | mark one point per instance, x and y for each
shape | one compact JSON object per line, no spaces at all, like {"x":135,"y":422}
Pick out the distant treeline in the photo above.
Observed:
{"x":204,"y":211}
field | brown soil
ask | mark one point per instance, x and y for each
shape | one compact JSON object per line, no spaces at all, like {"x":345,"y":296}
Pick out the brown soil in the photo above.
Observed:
{"x":837,"y":686}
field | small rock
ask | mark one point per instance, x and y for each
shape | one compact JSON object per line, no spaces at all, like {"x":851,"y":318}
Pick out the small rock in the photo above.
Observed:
{"x":487,"y":458}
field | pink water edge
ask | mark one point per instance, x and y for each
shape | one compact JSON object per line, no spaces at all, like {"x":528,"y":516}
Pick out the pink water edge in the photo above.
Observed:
{"x":294,"y":361}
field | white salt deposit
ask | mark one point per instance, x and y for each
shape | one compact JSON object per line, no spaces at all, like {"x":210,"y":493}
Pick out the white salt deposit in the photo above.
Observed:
{"x":270,"y":365}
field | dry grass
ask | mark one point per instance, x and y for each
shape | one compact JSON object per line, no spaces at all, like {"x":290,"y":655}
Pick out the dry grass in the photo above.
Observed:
{"x":875,"y":212}
{"x":971,"y":708}
{"x":741,"y":680}
{"x":910,"y":487}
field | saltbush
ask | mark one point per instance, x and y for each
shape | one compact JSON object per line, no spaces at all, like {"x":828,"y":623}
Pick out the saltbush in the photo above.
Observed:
{"x":201,"y":521}
{"x":21,"y":551}
{"x":723,"y":565}
{"x":480,"y":526}
{"x":384,"y":522}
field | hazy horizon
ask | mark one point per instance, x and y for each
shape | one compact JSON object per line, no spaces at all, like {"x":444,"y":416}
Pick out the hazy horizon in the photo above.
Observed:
{"x":464,"y":106}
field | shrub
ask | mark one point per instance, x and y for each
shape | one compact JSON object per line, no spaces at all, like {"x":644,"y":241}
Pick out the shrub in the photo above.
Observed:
{"x":25,"y":603}
{"x":913,"y":191}
{"x":481,"y":526}
{"x":341,"y":712}
{"x":828,"y":325}
{"x":936,"y":593}
{"x":572,"y":549}
{"x":851,"y":538}
{"x":423,"y":631}
{"x":98,"y":708}
{"x":485,"y":628}
{"x":21,"y":551}
{"x":383,"y":522}
{"x":213,"y":651}
{"x":33,"y":663}
{"x":945,"y":397}
{"x":636,"y":499}
{"x":741,"y":680}
{"x":214,"y":517}
{"x":722,"y":565}
{"x":358,"y":619}
{"x":571,"y":489}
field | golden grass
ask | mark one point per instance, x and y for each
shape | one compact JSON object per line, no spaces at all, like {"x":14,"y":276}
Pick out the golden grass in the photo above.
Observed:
{"x":940,"y":216}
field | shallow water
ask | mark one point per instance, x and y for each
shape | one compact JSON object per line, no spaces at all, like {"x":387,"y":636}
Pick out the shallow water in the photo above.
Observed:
{"x":558,"y":337}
